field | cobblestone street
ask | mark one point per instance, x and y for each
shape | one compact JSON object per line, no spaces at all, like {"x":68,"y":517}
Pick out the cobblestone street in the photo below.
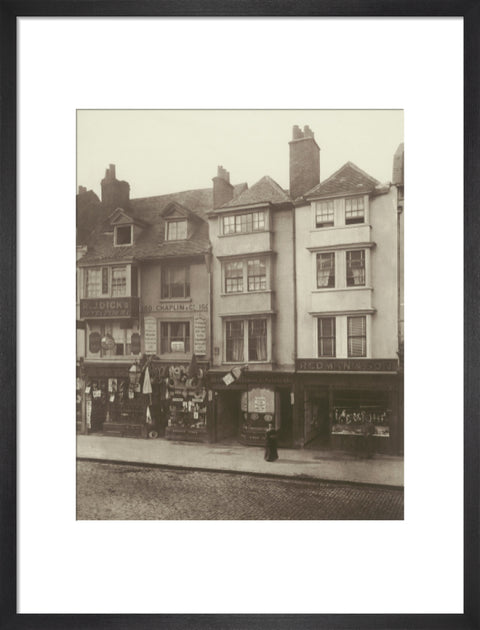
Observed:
{"x":107,"y":491}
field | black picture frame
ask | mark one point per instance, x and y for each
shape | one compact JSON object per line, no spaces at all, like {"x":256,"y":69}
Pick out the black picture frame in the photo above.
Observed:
{"x":9,"y":11}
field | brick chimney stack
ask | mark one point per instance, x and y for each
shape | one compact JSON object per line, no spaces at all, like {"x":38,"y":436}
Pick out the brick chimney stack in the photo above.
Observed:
{"x":304,"y":161}
{"x":222,"y":188}
{"x":115,"y":193}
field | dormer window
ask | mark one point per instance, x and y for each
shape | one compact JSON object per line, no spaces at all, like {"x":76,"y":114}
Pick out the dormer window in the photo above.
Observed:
{"x":123,"y":235}
{"x":176,"y":230}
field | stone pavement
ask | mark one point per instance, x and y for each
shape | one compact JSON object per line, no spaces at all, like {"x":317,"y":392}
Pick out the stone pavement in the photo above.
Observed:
{"x":384,"y":470}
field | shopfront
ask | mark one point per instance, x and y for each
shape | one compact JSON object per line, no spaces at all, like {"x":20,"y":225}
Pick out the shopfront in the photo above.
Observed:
{"x":339,"y":404}
{"x":244,"y":407}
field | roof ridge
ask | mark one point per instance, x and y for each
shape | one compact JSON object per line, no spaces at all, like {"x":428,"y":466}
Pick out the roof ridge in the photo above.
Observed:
{"x":177,"y":192}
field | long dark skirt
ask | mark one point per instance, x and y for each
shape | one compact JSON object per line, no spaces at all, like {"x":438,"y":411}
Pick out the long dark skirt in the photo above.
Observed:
{"x":271,"y":453}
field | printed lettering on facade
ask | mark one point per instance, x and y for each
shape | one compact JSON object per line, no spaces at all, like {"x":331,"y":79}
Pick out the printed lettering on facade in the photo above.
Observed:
{"x":348,"y":365}
{"x":150,"y":335}
{"x":168,"y":307}
{"x":200,"y":335}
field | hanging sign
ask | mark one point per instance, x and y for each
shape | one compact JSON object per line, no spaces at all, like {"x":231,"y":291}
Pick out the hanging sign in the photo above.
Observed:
{"x":150,"y":335}
{"x":200,"y":335}
{"x":94,"y":340}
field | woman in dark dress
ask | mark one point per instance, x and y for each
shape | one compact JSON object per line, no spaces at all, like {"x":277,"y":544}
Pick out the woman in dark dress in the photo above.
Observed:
{"x":271,"y":453}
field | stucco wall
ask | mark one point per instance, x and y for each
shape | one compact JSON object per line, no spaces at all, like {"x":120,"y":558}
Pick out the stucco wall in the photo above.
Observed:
{"x":379,"y":239}
{"x":176,"y":309}
{"x":279,"y":294}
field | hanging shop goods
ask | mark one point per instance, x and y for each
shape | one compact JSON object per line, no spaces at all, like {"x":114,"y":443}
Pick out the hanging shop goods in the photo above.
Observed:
{"x":186,"y":403}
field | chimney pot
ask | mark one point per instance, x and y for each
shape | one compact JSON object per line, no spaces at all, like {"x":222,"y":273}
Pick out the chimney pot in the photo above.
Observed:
{"x":296,"y":133}
{"x":222,"y":188}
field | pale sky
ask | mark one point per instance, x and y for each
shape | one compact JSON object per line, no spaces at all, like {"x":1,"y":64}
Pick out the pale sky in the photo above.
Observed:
{"x":164,"y":151}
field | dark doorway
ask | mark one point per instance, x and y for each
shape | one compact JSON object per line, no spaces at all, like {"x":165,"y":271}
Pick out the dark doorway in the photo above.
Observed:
{"x":227,"y":414}
{"x":285,"y":432}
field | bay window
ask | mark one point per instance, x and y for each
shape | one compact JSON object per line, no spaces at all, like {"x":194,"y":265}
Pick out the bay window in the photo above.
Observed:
{"x":356,"y":268}
{"x":119,"y":281}
{"x":249,"y":274}
{"x":248,"y":333}
{"x":257,"y":339}
{"x":257,"y":274}
{"x":244,"y":223}
{"x":324,"y":214}
{"x":106,"y":282}
{"x":93,"y":283}
{"x":354,"y":210}
{"x":326,"y":270}
{"x":233,"y":277}
{"x":234,"y":341}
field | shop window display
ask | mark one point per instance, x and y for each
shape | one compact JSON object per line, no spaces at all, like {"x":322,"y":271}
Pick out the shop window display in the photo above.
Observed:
{"x":187,"y":403}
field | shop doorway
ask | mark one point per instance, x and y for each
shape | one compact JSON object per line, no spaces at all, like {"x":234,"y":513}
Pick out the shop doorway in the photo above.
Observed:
{"x":317,"y":424}
{"x":285,"y":431}
{"x":227,"y":415}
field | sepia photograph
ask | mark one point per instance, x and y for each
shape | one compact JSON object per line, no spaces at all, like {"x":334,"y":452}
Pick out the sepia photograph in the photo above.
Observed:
{"x":239,"y":315}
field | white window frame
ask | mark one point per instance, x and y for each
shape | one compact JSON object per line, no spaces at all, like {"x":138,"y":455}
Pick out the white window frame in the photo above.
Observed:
{"x":244,"y":262}
{"x":246,"y":358}
{"x":169,"y":322}
{"x":237,"y":215}
{"x":169,"y":223}
{"x":109,"y":272}
{"x":317,"y":207}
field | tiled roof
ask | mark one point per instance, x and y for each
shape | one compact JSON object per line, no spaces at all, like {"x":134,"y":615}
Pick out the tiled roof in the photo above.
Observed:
{"x":150,"y":242}
{"x":265,"y":190}
{"x":348,"y":180}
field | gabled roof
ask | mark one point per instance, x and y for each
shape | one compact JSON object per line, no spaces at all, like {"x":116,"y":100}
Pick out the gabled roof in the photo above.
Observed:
{"x":348,"y":180}
{"x":266,"y":190}
{"x":176,"y":210}
{"x":120,"y":217}
{"x":149,"y":242}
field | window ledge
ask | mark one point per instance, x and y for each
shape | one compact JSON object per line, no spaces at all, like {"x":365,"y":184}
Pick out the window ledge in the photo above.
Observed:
{"x":336,"y":289}
{"x":339,"y":227}
{"x":119,"y":359}
{"x":179,"y":299}
{"x":244,"y":233}
{"x":237,"y":293}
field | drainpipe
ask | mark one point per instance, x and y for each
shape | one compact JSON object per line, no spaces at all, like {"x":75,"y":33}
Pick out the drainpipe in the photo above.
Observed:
{"x":295,"y":345}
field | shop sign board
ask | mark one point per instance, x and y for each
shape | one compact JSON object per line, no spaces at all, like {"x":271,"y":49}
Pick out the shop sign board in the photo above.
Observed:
{"x":97,"y":308}
{"x":150,"y":335}
{"x":168,"y":307}
{"x":261,"y":400}
{"x":347,"y":365}
{"x":200,"y":335}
